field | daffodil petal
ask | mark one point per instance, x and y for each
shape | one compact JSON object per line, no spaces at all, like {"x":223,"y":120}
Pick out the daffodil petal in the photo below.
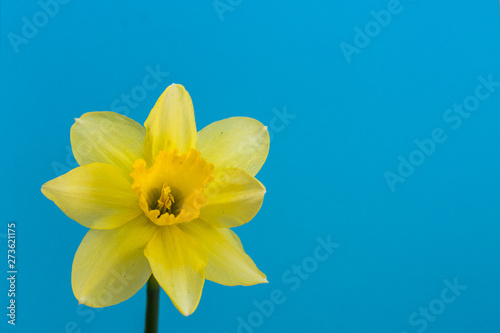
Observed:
{"x":110,"y":266}
{"x":228,"y":264}
{"x":170,"y":123}
{"x":95,"y":195}
{"x":233,"y":199}
{"x":235,"y":142}
{"x":178,"y":263}
{"x":107,"y":137}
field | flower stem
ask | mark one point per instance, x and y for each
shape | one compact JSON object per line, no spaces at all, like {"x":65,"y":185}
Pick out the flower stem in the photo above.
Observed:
{"x":152,"y":305}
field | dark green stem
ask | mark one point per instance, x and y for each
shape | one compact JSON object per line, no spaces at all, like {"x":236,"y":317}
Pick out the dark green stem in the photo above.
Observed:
{"x":152,"y":306}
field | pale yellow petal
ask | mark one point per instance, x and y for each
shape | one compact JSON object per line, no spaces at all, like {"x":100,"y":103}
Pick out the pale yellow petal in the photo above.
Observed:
{"x":233,"y":198}
{"x":110,"y":266}
{"x":228,"y":264}
{"x":178,"y":263}
{"x":235,"y":142}
{"x":171,"y":123}
{"x":96,"y":195}
{"x":107,"y":137}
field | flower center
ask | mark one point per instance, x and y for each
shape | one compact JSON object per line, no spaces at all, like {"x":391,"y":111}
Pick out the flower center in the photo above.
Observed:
{"x":171,"y":190}
{"x":166,"y":200}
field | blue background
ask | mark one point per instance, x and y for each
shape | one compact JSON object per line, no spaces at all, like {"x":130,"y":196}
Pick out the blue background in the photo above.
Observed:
{"x":325,"y":171}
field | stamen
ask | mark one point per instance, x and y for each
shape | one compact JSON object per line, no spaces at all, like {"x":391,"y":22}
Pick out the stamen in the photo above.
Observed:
{"x":166,"y":200}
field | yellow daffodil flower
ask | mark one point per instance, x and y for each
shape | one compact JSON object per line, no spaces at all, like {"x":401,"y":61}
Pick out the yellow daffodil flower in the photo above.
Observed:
{"x":161,"y":200}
